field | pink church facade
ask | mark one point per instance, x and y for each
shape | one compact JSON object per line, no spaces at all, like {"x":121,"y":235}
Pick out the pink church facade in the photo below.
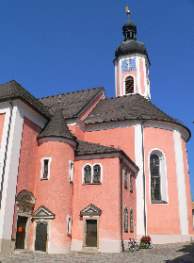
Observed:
{"x":81,"y":172}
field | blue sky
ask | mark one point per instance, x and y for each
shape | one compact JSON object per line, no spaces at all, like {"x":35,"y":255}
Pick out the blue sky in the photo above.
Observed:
{"x":57,"y":46}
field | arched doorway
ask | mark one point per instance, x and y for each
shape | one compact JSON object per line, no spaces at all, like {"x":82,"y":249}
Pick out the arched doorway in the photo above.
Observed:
{"x":25,"y":202}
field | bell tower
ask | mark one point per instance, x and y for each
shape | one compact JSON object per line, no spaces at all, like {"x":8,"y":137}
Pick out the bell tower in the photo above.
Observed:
{"x":131,"y":63}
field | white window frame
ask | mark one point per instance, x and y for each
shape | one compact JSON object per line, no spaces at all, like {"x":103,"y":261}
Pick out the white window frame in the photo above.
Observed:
{"x":71,"y":171}
{"x":163,"y":175}
{"x":42,"y":167}
{"x":92,"y":173}
{"x":69,"y":225}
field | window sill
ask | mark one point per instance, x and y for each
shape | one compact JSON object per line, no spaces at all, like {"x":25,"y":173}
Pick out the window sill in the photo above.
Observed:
{"x":43,"y":179}
{"x":158,"y":202}
{"x":92,"y":183}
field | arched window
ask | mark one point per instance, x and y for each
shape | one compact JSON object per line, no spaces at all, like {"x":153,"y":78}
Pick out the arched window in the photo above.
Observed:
{"x":87,"y":174}
{"x":158,"y":177}
{"x":131,"y":221}
{"x":155,"y":177}
{"x":126,"y":220}
{"x":96,"y":173}
{"x":129,"y":85}
{"x":92,"y":174}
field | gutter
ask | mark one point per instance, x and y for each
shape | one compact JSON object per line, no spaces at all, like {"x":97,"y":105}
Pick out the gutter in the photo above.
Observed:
{"x":6,"y":151}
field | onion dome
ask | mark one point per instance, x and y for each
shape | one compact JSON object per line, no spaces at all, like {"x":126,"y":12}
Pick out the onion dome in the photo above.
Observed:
{"x":130,"y":45}
{"x":57,"y":128}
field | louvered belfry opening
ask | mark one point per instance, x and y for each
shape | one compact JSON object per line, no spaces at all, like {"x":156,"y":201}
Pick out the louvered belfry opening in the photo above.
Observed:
{"x":129,"y":85}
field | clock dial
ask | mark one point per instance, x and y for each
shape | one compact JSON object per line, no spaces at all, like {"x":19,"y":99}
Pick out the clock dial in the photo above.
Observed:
{"x":128,"y":64}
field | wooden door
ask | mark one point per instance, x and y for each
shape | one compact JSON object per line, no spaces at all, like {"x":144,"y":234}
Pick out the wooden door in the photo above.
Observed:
{"x":21,"y":232}
{"x":91,"y":233}
{"x":41,"y":236}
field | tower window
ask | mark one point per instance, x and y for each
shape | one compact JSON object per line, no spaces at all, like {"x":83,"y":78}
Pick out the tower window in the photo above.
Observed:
{"x":129,"y":85}
{"x":71,"y":171}
{"x":45,"y":168}
{"x":69,"y":225}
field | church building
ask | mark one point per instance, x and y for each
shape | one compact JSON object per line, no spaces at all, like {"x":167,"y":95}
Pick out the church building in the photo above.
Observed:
{"x":80,"y":171}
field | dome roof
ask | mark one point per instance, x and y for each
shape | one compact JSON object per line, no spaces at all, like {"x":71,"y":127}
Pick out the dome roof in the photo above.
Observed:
{"x":131,"y":46}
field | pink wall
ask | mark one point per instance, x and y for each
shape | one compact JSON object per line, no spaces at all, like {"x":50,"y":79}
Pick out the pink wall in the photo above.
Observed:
{"x":122,"y":138}
{"x":26,"y":178}
{"x":76,"y":130}
{"x":162,"y":218}
{"x":106,"y":196}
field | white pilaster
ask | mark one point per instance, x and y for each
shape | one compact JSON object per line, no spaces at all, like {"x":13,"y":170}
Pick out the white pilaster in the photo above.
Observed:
{"x":138,"y":77}
{"x":181,"y":186}
{"x":10,"y":175}
{"x":116,"y":80}
{"x":139,"y":180}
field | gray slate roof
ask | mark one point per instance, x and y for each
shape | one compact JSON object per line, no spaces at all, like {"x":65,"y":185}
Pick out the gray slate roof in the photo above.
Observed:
{"x":72,"y":104}
{"x":87,"y":148}
{"x":57,"y":128}
{"x":13,"y":90}
{"x":131,"y":107}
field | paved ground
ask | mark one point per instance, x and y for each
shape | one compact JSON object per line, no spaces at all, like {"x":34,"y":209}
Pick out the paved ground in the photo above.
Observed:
{"x":182,"y":253}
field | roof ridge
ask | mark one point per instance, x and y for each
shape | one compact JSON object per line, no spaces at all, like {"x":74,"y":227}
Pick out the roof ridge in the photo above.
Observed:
{"x":71,"y":92}
{"x":123,"y":96}
{"x":98,"y":144}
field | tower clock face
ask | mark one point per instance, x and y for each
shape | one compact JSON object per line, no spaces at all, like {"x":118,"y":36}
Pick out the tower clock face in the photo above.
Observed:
{"x":128,"y":64}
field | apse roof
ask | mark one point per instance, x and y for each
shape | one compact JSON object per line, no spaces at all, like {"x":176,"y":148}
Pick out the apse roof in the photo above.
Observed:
{"x":129,"y":107}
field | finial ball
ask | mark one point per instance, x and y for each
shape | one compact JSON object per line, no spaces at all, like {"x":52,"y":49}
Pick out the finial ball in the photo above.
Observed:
{"x":127,"y":11}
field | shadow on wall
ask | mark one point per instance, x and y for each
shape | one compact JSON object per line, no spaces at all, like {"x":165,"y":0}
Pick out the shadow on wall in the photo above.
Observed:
{"x":187,"y":257}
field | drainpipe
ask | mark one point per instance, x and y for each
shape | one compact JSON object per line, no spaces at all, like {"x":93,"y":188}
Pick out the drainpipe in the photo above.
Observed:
{"x":6,"y":150}
{"x":144,"y":180}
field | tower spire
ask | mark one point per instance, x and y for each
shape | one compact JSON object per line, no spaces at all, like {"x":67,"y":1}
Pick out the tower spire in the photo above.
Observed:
{"x":128,"y":12}
{"x":129,"y":28}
